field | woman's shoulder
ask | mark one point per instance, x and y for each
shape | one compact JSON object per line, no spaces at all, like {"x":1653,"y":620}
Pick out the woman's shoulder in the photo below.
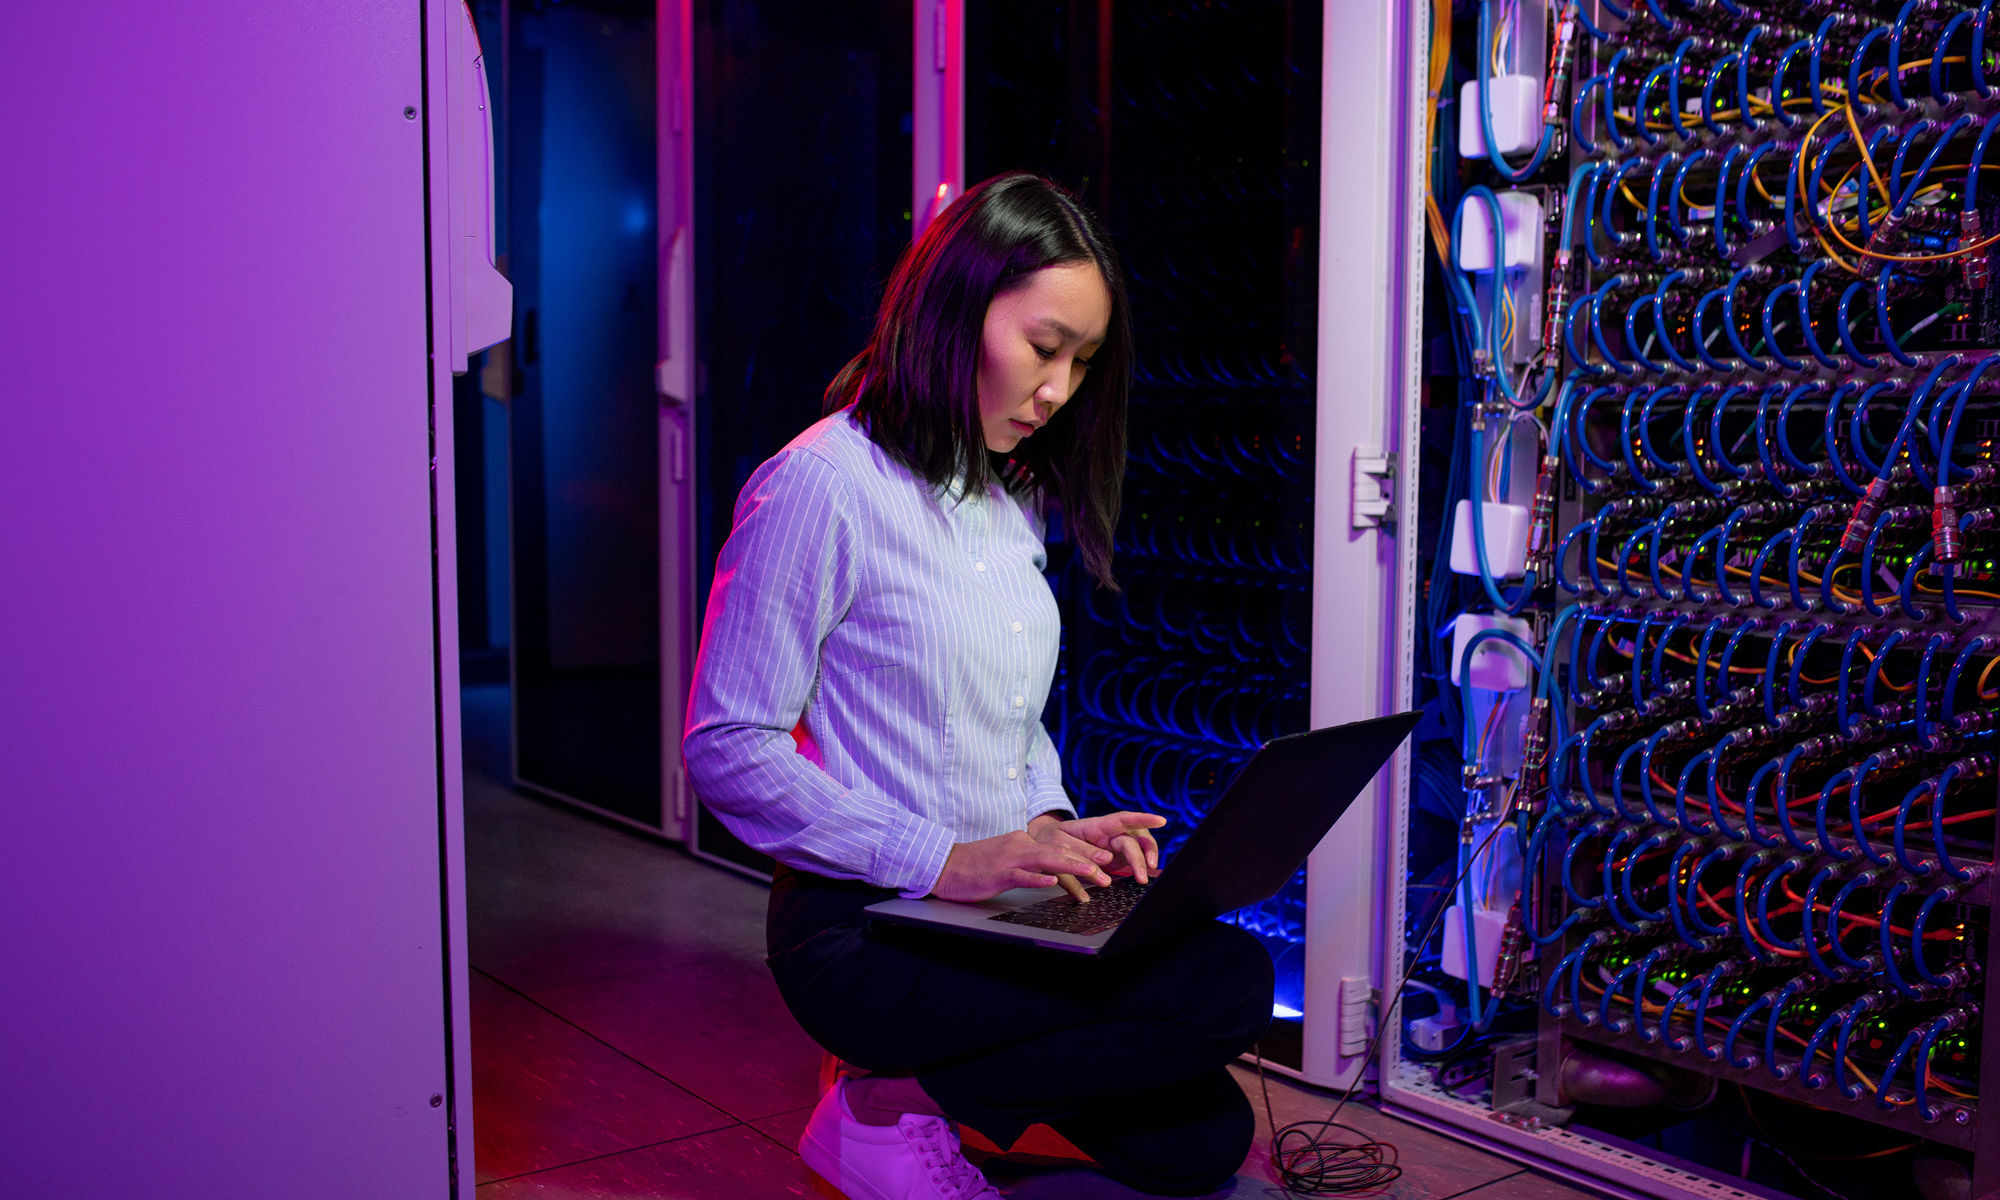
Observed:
{"x":839,"y":443}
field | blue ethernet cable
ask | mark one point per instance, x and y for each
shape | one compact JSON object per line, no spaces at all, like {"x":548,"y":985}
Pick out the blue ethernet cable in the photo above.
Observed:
{"x":1818,"y":44}
{"x":1889,"y":970}
{"x":1744,"y":930}
{"x":1854,"y":827}
{"x":1708,"y":96}
{"x":1639,"y":105}
{"x":1770,"y":330}
{"x":1805,"y":646}
{"x":1783,"y":1001}
{"x":1722,"y":207}
{"x":1632,"y":344}
{"x":1722,"y":460}
{"x":1807,"y":937}
{"x":1938,"y":54}
{"x":1608,"y":868}
{"x":1763,"y":918}
{"x":1895,"y":1064}
{"x":1896,"y":56}
{"x":1874,"y":672}
{"x":1855,"y":60}
{"x":1920,"y":1069}
{"x":1931,"y":901}
{"x":1841,"y":326}
{"x":1949,"y":701}
{"x":1714,"y":976}
{"x":1946,"y":444}
{"x":1915,"y":184}
{"x":1833,"y":935}
{"x":1493,"y":156}
{"x":1693,"y":884}
{"x":1781,"y":792}
{"x":1936,"y":787}
{"x":1744,"y":1062}
{"x":1778,"y":81}
{"x":1806,"y":330}
{"x":1693,"y":458}
{"x":1882,"y":322}
{"x":1978,"y":55}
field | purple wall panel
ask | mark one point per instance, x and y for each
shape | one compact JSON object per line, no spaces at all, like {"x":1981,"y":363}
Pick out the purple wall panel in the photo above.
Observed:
{"x":221,"y":964}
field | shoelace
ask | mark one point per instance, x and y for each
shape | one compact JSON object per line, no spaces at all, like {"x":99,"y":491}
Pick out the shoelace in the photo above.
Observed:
{"x":945,"y":1159}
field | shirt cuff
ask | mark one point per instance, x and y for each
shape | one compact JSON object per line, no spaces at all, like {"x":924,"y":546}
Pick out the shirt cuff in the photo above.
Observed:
{"x":919,"y":861}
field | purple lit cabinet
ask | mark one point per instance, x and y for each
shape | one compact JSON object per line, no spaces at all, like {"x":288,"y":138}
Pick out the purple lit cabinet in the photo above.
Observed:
{"x":240,"y":259}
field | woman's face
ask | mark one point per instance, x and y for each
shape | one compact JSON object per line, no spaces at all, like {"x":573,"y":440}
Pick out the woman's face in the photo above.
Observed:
{"x":1038,"y":340}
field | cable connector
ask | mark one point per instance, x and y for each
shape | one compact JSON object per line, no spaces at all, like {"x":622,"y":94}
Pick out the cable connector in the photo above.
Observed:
{"x":1862,"y":522}
{"x":1513,"y":941}
{"x":1540,"y":558}
{"x":1552,"y":313}
{"x":1978,"y":273}
{"x":1948,"y":542}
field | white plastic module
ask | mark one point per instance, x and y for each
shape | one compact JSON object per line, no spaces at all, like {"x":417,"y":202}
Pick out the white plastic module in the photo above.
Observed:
{"x":1488,"y":926}
{"x":1517,"y":115}
{"x":1496,"y":665}
{"x":1506,"y":528}
{"x":1521,"y":227}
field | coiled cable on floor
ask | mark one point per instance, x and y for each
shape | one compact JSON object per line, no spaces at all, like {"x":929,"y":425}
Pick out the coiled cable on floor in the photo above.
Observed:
{"x":1307,"y":1158}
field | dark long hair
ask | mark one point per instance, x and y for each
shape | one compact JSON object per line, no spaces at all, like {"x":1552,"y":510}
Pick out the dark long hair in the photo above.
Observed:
{"x":915,"y":386}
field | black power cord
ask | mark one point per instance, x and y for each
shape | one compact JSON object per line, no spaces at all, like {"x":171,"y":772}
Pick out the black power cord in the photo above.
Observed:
{"x":1308,"y":1162}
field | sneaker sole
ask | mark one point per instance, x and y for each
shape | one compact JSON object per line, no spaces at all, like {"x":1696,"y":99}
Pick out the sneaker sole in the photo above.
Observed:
{"x":824,"y":1161}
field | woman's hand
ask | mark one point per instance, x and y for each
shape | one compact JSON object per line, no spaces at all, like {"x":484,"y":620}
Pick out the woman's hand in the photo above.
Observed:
{"x":1122,"y":836}
{"x":983,"y":869}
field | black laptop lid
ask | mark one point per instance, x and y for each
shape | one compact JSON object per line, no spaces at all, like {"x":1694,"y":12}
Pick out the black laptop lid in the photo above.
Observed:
{"x":1266,"y":822}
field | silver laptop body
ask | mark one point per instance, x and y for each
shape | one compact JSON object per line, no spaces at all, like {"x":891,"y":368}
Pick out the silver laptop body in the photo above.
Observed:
{"x":1257,"y":835}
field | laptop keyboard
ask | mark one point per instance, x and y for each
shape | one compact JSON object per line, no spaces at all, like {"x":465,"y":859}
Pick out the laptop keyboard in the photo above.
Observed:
{"x":1108,"y":906}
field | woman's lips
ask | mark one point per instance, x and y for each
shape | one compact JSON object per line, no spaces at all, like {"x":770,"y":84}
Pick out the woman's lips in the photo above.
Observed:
{"x":1024,"y":428}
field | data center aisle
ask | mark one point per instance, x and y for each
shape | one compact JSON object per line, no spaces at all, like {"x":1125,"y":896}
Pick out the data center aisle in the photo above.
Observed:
{"x":628,"y":1042}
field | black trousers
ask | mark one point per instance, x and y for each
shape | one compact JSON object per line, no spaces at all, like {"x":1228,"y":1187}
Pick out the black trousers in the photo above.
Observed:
{"x":1124,"y":1056}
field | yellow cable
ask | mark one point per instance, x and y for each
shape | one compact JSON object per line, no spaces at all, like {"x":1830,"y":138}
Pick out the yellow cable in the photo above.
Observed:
{"x":1861,"y":144}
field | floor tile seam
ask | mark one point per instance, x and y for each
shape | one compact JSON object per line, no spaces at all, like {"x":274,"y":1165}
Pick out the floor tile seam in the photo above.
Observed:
{"x":622,"y":1053}
{"x":534,"y":992}
{"x":615,"y":1153}
{"x":1518,"y":1170}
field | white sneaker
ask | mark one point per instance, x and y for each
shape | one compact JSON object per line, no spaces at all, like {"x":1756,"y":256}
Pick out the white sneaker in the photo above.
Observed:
{"x":917,"y":1158}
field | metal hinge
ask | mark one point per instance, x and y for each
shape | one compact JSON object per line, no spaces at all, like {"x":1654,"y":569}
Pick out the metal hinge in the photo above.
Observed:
{"x":1374,"y":488}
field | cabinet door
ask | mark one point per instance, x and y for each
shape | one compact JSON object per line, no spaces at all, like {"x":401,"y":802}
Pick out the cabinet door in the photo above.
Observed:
{"x":580,"y":115}
{"x":223,"y":966}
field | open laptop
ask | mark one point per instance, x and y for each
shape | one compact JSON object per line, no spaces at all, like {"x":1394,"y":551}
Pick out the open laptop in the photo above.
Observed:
{"x":1258,"y":834}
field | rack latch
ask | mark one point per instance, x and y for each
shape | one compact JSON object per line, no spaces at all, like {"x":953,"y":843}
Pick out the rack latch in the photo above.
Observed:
{"x":1374,"y":488}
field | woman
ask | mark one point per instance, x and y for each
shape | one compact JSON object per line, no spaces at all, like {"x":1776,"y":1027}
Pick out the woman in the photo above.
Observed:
{"x":880,"y":600}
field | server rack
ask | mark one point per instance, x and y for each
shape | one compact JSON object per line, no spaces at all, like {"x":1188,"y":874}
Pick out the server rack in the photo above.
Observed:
{"x":1747,"y":756}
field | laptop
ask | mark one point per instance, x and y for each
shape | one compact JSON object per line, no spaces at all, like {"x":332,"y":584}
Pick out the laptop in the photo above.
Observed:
{"x":1258,"y":834}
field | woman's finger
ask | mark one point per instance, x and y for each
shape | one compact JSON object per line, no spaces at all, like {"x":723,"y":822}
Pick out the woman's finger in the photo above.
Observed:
{"x":1133,"y":858}
{"x":1059,"y":862}
{"x":1082,"y":849}
{"x":1076,"y":890}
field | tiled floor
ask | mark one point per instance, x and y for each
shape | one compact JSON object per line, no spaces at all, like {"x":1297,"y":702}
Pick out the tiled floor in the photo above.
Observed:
{"x":628,"y":1042}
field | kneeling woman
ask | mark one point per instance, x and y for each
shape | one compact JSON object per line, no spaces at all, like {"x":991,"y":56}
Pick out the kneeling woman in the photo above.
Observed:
{"x":882,"y":593}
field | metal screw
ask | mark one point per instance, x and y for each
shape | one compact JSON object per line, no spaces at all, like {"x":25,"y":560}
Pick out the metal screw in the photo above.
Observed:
{"x":436,"y":1100}
{"x":409,"y":112}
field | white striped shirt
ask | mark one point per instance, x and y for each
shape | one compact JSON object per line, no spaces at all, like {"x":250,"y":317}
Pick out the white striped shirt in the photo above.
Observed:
{"x":911,"y":635}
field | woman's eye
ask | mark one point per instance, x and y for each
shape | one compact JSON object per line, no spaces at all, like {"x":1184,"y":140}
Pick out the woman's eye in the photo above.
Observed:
{"x":1042,"y":354}
{"x":1081,"y":362}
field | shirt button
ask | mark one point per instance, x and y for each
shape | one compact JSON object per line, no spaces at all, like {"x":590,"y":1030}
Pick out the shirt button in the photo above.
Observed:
{"x":1017,"y":627}
{"x":1019,"y":701}
{"x":1012,"y":773}
{"x":979,"y":566}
